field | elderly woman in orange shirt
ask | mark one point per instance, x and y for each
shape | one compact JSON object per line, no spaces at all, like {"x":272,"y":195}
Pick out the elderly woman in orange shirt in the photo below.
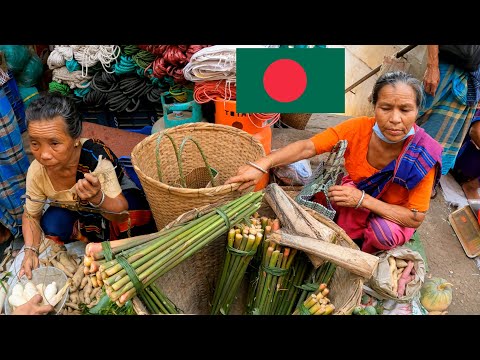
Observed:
{"x":392,"y":166}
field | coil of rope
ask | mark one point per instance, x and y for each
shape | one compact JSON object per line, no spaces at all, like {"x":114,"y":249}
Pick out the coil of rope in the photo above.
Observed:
{"x":143,"y":58}
{"x":72,"y":65}
{"x":154,"y":49}
{"x":73,"y":79}
{"x":129,"y":50}
{"x":59,"y":55}
{"x":54,"y":86}
{"x":95,"y":98}
{"x":89,"y":55}
{"x":216,"y":62}
{"x":124,"y":65}
{"x":101,"y":84}
{"x":82,"y":92}
{"x":162,"y":68}
{"x":206,"y":91}
{"x":104,"y":82}
{"x":180,"y":92}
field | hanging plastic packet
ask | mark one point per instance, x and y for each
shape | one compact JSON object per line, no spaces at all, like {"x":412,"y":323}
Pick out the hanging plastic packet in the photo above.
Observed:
{"x":294,"y":174}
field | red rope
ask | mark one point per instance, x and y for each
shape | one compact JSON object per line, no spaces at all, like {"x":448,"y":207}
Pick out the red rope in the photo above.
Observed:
{"x":171,"y":59}
{"x":214,"y":90}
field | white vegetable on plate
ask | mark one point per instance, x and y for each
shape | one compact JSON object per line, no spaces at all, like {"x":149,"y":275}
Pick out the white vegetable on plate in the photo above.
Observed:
{"x":50,"y":291}
{"x":16,"y":300}
{"x":17,"y":289}
{"x":29,"y":290}
{"x":3,"y":295}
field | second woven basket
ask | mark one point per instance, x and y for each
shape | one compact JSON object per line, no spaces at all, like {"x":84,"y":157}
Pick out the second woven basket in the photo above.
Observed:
{"x":225,"y":147}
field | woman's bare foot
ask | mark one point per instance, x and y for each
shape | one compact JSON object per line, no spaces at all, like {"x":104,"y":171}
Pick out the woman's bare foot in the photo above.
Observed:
{"x":471,"y":188}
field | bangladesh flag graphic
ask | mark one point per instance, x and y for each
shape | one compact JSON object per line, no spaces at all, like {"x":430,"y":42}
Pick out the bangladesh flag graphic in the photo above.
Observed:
{"x":290,"y":80}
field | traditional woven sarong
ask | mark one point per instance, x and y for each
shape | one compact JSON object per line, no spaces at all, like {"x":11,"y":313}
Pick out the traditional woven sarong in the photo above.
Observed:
{"x":446,"y":117}
{"x":13,"y":168}
{"x":420,"y":154}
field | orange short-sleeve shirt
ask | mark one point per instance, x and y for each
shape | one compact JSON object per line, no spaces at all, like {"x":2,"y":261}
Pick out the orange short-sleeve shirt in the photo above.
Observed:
{"x":358,"y":131}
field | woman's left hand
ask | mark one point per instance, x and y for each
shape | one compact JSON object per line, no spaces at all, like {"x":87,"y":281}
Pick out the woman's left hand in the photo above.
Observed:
{"x":88,"y":188}
{"x":346,"y":196}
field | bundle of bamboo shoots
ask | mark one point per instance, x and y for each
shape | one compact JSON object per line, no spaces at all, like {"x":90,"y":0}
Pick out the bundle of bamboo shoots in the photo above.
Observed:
{"x":137,"y":264}
{"x":157,"y":302}
{"x":275,"y":266}
{"x":319,"y":276}
{"x":289,"y":289}
{"x":317,"y":303}
{"x":242,"y":245}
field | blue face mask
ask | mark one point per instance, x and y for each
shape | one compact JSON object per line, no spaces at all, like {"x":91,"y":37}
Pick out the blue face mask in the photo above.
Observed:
{"x":382,"y":137}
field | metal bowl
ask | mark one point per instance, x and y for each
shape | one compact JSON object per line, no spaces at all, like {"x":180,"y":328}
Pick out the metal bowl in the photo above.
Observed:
{"x":45,"y":275}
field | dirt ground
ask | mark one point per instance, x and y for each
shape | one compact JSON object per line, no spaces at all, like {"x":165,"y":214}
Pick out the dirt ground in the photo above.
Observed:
{"x":447,"y":259}
{"x":445,"y":255}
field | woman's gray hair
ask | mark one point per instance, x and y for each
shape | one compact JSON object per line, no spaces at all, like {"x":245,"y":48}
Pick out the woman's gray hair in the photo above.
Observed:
{"x":51,"y":105}
{"x":395,"y":77}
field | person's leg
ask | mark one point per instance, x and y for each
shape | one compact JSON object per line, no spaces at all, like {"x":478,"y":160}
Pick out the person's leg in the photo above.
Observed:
{"x":140,"y":221}
{"x":353,"y":221}
{"x":58,"y":224}
{"x":382,"y":234}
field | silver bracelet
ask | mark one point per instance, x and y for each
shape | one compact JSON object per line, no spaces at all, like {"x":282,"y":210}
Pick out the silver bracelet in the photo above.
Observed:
{"x":35,"y":250}
{"x":257,"y":167}
{"x":101,"y":201}
{"x":361,"y":199}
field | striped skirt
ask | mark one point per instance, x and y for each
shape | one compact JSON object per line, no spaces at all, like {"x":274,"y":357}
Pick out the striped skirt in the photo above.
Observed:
{"x":13,"y":168}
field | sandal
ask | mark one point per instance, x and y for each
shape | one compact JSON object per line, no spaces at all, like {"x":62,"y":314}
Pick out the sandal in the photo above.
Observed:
{"x":434,"y":193}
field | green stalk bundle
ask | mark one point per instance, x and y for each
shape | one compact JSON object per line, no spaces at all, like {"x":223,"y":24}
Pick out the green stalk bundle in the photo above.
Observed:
{"x":158,"y":256}
{"x":157,"y":302}
{"x":316,"y":303}
{"x":319,"y":276}
{"x":288,"y":296}
{"x":240,"y":251}
{"x":275,"y":267}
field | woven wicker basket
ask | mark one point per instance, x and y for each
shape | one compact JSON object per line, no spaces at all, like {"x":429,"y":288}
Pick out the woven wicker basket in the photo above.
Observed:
{"x":225,"y":147}
{"x":190,"y":285}
{"x":297,"y":121}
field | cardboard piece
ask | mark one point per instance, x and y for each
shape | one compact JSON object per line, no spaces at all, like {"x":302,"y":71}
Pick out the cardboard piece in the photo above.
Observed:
{"x":467,"y":229}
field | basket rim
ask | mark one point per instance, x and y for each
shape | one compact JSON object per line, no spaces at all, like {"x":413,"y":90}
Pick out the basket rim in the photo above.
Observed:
{"x":213,"y":191}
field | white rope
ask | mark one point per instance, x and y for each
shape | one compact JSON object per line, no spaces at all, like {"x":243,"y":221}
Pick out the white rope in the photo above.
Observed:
{"x":59,"y":55}
{"x":216,"y":62}
{"x":74,"y":79}
{"x":89,"y":55}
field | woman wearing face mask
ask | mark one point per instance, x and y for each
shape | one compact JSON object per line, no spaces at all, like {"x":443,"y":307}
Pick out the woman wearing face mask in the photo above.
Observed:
{"x":392,"y":166}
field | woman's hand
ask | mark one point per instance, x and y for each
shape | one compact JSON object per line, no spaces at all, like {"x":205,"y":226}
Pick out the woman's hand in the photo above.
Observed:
{"x":247,"y":175}
{"x":431,"y":79}
{"x":33,"y":307}
{"x":346,"y":196}
{"x":30,"y":262}
{"x":88,"y":188}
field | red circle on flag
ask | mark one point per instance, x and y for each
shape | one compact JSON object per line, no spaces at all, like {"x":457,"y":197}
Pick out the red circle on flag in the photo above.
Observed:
{"x":285,"y":80}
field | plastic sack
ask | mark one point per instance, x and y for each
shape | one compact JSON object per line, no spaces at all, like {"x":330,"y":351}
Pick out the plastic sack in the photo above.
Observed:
{"x":295,"y":174}
{"x":381,"y":281}
{"x":31,"y":73}
{"x":28,"y":94}
{"x":17,"y":56}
